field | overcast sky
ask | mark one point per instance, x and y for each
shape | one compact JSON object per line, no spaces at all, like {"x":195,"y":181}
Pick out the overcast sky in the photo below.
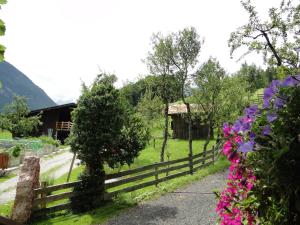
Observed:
{"x":58,"y":43}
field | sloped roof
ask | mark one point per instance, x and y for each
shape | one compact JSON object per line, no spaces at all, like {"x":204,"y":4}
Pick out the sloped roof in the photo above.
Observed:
{"x":180,"y":108}
{"x":68,"y":105}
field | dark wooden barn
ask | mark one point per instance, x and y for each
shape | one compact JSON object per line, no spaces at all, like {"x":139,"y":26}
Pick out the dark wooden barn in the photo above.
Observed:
{"x":180,"y":126}
{"x":56,"y":121}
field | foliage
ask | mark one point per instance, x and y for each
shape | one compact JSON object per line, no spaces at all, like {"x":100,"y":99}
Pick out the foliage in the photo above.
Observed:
{"x":50,"y":140}
{"x":103,"y":131}
{"x":277,"y":160}
{"x":255,"y":77}
{"x":219,"y":97}
{"x":150,"y":107}
{"x":14,"y":118}
{"x":134,"y":91}
{"x":277,"y":38}
{"x":185,"y":53}
{"x":266,"y":143}
{"x":209,"y":80}
{"x":2,"y":32}
{"x":16,"y":150}
{"x":234,"y":99}
{"x":159,"y":62}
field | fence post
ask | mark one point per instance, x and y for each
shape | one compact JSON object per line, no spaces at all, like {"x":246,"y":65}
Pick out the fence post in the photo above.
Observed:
{"x":156,"y":176}
{"x":167,"y":173}
{"x":191,"y":164}
{"x":43,"y":194}
{"x":213,"y":152}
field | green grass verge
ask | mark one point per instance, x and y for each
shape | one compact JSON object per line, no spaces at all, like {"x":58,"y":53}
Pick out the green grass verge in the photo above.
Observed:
{"x":5,"y":209}
{"x":128,"y":200}
{"x":7,"y":177}
{"x":5,"y":134}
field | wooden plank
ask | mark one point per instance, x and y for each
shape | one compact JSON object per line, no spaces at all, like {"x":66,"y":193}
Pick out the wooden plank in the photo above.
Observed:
{"x":143,"y":176}
{"x":6,"y":221}
{"x":144,"y":168}
{"x":128,"y":180}
{"x":202,"y":159}
{"x":55,"y":187}
{"x":41,"y":212}
{"x":52,"y":198}
{"x":198,"y":155}
{"x":132,"y":188}
{"x":202,"y":166}
{"x":174,"y":176}
{"x":146,"y":184}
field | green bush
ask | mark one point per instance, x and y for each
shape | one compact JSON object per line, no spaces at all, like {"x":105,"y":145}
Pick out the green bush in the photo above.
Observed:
{"x":16,"y":150}
{"x":50,"y":141}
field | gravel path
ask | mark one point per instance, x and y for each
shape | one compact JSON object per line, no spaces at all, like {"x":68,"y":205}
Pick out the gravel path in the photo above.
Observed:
{"x":60,"y":161}
{"x":193,"y":205}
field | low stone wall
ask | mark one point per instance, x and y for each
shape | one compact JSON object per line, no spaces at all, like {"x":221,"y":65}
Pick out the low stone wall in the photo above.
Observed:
{"x":46,"y":150}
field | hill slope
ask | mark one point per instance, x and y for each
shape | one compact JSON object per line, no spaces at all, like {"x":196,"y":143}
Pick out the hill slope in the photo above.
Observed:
{"x":14,"y":82}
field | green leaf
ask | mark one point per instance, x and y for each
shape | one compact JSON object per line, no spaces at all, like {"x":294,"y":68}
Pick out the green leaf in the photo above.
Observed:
{"x":2,"y":27}
{"x":2,"y":50}
{"x":2,"y":2}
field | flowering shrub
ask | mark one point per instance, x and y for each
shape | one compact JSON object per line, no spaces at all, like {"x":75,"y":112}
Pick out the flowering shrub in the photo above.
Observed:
{"x":263,"y":147}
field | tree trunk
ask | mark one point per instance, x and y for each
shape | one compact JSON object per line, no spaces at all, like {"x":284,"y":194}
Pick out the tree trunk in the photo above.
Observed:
{"x":207,"y":141}
{"x":166,"y":133}
{"x":188,"y":107}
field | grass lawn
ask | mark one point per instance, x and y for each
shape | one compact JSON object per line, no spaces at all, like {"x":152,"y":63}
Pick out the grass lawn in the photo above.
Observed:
{"x":7,"y":177}
{"x":175,"y":149}
{"x":5,"y":134}
{"x":128,"y":200}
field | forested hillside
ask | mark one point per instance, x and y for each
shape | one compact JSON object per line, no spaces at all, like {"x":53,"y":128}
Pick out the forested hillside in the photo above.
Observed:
{"x":14,"y":82}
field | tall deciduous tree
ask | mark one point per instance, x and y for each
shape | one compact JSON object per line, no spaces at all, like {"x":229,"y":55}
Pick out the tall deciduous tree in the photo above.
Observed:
{"x":219,"y":97}
{"x":185,"y":52}
{"x":15,"y":119}
{"x":103,"y":132}
{"x":159,"y":62}
{"x":277,"y":38}
{"x":208,"y":94}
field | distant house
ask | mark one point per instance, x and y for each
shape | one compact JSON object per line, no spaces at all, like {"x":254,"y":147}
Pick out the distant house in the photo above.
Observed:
{"x":180,"y":126}
{"x":56,"y":121}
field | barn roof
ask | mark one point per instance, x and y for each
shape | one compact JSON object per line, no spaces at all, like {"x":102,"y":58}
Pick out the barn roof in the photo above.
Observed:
{"x":68,"y":105}
{"x":180,"y":108}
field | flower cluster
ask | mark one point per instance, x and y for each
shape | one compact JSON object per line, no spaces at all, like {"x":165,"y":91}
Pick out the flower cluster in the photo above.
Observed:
{"x":239,"y":140}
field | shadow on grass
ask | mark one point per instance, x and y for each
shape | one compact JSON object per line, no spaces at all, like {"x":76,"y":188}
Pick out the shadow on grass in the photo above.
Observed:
{"x":95,"y":216}
{"x":147,"y":214}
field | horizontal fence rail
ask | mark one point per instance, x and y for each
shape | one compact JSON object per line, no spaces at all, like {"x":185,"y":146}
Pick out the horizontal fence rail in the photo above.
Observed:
{"x":160,"y":172}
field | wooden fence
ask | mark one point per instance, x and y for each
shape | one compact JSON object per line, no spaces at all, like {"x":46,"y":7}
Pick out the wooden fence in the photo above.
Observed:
{"x":138,"y":178}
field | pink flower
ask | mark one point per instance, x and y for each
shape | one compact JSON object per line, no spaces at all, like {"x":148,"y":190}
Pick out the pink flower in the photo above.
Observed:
{"x":227,"y":147}
{"x":238,"y":139}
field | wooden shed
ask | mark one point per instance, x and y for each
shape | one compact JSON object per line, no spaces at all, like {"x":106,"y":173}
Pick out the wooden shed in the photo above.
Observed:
{"x":56,"y":121}
{"x":179,"y":123}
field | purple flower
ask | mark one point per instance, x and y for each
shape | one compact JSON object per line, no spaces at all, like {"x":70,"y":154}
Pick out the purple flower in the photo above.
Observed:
{"x":237,"y":126}
{"x":291,"y":81}
{"x":246,"y":147}
{"x":267,"y":130}
{"x":252,"y":136}
{"x":251,"y":111}
{"x":278,"y":103}
{"x":271,"y":116}
{"x":269,"y":92}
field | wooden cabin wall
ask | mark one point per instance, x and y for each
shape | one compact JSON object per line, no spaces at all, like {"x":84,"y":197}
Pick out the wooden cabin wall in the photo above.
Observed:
{"x":181,"y":130}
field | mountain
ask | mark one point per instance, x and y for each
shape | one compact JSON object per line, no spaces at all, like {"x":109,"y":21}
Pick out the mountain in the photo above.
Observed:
{"x":14,"y":82}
